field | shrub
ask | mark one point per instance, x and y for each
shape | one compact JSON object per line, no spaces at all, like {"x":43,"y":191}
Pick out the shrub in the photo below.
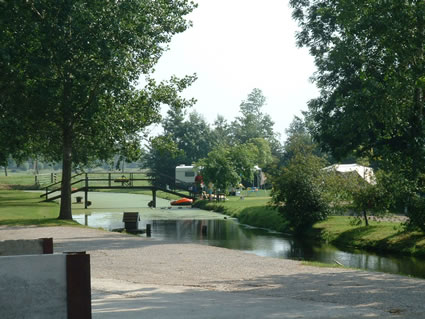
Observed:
{"x":299,"y":192}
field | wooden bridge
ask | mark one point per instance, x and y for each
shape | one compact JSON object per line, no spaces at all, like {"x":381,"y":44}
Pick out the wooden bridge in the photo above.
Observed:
{"x":86,"y":182}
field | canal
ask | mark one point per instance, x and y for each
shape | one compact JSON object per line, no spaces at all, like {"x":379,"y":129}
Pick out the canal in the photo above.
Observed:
{"x":187,"y":225}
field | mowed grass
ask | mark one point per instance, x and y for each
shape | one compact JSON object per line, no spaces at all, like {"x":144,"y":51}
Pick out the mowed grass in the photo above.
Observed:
{"x":18,"y":179}
{"x":26,"y":208}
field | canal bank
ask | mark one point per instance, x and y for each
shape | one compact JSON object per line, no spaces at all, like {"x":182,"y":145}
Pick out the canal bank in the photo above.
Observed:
{"x":135,"y":277}
{"x":191,"y":225}
{"x":382,"y":236}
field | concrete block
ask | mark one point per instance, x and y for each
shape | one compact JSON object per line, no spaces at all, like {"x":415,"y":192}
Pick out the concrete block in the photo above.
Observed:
{"x":26,"y":247}
{"x":33,"y":287}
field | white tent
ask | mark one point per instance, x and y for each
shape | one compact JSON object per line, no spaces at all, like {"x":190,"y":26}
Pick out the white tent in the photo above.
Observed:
{"x":364,"y":172}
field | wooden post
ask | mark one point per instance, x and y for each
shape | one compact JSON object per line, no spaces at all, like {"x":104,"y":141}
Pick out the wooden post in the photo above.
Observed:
{"x":154,"y":197}
{"x":86,"y":191}
{"x":78,"y":285}
{"x":47,"y":191}
{"x":204,"y":229}
{"x":148,"y":230}
{"x":109,"y":179}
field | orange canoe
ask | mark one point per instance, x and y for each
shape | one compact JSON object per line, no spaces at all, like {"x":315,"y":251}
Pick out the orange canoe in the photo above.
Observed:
{"x":182,"y":202}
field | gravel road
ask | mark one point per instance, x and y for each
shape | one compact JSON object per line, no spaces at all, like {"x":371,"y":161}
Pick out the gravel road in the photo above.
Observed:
{"x":134,"y":271}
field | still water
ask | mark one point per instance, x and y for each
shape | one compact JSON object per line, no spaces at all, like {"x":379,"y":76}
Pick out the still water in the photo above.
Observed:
{"x":228,"y":233}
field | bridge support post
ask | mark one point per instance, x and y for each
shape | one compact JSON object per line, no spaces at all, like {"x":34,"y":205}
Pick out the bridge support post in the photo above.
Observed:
{"x":154,"y":197}
{"x":86,"y":192}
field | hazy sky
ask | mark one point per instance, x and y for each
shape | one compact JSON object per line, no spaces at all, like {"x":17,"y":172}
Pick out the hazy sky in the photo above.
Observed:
{"x":235,"y":46}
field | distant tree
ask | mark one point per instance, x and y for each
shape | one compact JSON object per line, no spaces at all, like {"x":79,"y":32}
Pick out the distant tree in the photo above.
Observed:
{"x":192,"y":136}
{"x":221,"y":132}
{"x":219,"y":169}
{"x":264,"y":157}
{"x":243,"y":158}
{"x":161,"y":159}
{"x":298,"y":141}
{"x":253,"y":123}
{"x":185,"y":141}
{"x":68,"y":75}
{"x":370,"y":198}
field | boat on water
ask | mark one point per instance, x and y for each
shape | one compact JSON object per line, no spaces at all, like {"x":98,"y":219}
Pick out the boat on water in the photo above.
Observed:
{"x":182,"y":202}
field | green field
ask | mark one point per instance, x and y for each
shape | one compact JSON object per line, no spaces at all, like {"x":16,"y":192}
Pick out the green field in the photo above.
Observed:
{"x":25,"y":208}
{"x":21,"y":179}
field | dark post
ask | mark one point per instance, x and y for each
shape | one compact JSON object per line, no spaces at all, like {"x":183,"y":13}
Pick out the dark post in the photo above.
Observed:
{"x":86,"y":191}
{"x":154,"y":197}
{"x":109,"y":179}
{"x":78,"y":285}
{"x":148,"y":230}
{"x":204,"y":229}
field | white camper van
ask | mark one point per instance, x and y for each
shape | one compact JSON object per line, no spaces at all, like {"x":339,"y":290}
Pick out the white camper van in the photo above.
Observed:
{"x":185,"y":174}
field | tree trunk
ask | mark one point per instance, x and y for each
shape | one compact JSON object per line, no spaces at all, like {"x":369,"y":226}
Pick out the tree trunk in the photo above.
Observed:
{"x":5,"y":170}
{"x":65,"y":208}
{"x":36,"y":166}
{"x":365,"y":217}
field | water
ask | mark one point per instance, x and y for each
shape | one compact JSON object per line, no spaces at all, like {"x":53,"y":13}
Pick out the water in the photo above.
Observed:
{"x":228,"y":233}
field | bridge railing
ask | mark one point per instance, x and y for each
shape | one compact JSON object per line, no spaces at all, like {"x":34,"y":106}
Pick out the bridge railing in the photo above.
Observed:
{"x":101,"y":179}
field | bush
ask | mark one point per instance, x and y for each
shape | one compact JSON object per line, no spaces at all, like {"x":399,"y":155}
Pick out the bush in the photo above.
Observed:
{"x":299,"y":192}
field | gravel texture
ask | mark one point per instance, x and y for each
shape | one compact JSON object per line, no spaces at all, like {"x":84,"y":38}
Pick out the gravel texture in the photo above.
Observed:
{"x":117,"y":259}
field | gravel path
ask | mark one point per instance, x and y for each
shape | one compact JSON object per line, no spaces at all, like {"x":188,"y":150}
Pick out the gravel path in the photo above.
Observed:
{"x":121,"y":264}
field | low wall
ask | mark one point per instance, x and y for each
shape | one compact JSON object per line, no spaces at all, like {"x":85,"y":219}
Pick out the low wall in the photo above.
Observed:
{"x":52,"y":286}
{"x":26,"y":247}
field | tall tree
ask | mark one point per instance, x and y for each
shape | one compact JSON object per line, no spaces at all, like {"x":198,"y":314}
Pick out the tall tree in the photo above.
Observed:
{"x":370,"y":70}
{"x":192,"y":136}
{"x":221,"y":132}
{"x":253,"y":122}
{"x":299,"y":141}
{"x":161,"y":159}
{"x":69,"y":71}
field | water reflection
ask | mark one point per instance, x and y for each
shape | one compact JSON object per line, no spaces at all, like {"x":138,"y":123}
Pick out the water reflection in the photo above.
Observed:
{"x":230,"y":234}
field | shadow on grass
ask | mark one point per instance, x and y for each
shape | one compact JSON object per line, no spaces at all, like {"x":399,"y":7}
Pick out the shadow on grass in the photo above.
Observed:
{"x":39,"y":222}
{"x":264,"y":217}
{"x":404,"y":243}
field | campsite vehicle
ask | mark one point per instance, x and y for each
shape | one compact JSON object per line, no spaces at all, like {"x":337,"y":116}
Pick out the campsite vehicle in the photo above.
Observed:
{"x":186,"y":174}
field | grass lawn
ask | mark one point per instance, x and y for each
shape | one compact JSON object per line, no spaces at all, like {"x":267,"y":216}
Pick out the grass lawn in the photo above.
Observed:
{"x":25,"y":208}
{"x":378,"y":236}
{"x":22,"y":179}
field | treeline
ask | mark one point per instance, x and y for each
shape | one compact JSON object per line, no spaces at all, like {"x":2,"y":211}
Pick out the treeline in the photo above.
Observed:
{"x":227,"y":151}
{"x":37,"y":166}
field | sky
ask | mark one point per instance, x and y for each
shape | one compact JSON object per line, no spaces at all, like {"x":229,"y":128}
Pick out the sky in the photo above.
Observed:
{"x":235,"y":46}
